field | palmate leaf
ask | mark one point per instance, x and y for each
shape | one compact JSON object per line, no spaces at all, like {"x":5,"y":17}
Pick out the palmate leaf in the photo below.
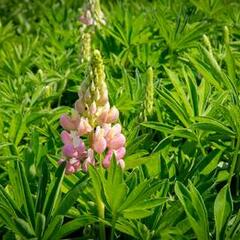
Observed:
{"x":137,"y":159}
{"x":135,"y":199}
{"x":177,"y":131}
{"x":195,"y":209}
{"x":178,"y":86}
{"x":115,"y":189}
{"x":17,"y":128}
{"x":172,"y":102}
{"x":209,"y":124}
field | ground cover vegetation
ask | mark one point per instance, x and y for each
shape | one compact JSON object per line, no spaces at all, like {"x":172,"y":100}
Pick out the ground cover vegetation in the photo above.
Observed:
{"x":120,"y":119}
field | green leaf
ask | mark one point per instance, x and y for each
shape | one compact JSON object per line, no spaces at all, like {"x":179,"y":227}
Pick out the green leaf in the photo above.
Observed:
{"x":53,"y":228}
{"x":70,"y":198}
{"x":40,"y":224}
{"x":6,"y":200}
{"x":115,"y":188}
{"x":135,"y":160}
{"x":17,"y":128}
{"x":223,"y":207}
{"x":53,"y":192}
{"x":212,"y":125}
{"x":195,"y":209}
{"x":96,"y":181}
{"x":137,"y":214}
{"x":24,"y":228}
{"x":26,"y":193}
{"x":74,"y":225}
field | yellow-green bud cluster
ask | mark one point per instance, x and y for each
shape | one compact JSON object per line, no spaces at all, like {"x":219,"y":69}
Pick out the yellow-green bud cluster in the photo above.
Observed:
{"x":149,"y":96}
{"x":93,"y":94}
{"x":85,"y":47}
{"x":97,"y":12}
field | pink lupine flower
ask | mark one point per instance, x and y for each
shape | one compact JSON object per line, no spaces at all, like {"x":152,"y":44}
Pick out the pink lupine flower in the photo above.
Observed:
{"x":115,"y":139}
{"x":99,"y":142}
{"x":120,"y":153}
{"x":93,"y":108}
{"x":72,"y":166}
{"x":66,"y":137}
{"x":67,"y":123}
{"x":107,"y":160}
{"x":117,"y":142}
{"x":92,"y":117}
{"x":112,"y":131}
{"x":69,"y":151}
{"x":113,"y":115}
{"x":87,"y":18}
{"x":75,"y":163}
{"x":70,"y":169}
{"x":84,"y":127}
{"x":80,"y":105}
{"x":103,"y":98}
{"x":88,"y":160}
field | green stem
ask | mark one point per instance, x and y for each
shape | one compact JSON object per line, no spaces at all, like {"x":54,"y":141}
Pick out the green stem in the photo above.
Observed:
{"x":101,"y":208}
{"x":235,"y":157}
{"x":113,"y":226}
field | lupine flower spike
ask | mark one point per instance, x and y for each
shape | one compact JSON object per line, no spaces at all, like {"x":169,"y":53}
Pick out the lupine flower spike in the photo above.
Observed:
{"x":95,"y":119}
{"x":149,"y":97}
{"x":92,"y":14}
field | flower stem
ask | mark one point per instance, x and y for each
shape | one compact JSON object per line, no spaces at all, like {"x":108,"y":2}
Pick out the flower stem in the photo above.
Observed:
{"x":113,"y":227}
{"x":101,"y":209}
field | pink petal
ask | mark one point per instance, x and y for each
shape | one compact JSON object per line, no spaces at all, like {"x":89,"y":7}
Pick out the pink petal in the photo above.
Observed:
{"x":107,"y":160}
{"x":84,"y":127}
{"x":113,"y":115}
{"x":67,"y":123}
{"x":100,"y":145}
{"x":117,"y":142}
{"x":66,"y":137}
{"x":120,"y":153}
{"x":69,"y":150}
{"x":70,"y":169}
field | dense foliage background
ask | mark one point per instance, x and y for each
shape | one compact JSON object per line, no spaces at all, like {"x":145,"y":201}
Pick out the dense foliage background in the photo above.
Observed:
{"x":181,"y":179}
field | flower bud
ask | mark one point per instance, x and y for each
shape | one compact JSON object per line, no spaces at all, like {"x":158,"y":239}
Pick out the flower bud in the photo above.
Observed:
{"x":80,"y":105}
{"x":93,"y":108}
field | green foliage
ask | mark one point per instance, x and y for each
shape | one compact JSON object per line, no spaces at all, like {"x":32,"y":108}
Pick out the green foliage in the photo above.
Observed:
{"x":181,"y":179}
